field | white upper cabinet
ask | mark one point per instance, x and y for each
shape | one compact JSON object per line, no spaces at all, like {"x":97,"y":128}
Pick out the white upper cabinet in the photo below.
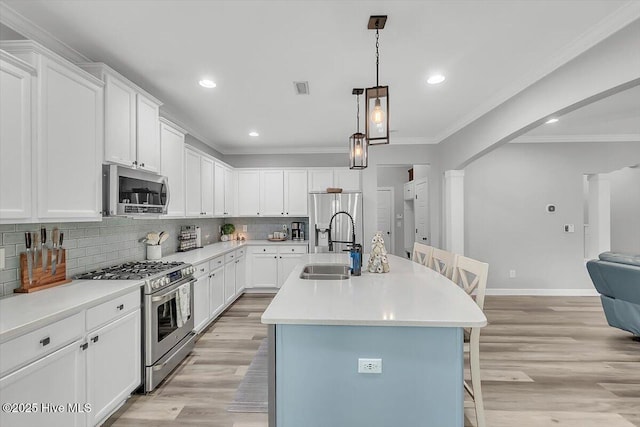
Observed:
{"x":207,"y":176}
{"x":248,"y":192}
{"x":172,"y":165}
{"x":68,"y":104}
{"x":132,"y":135}
{"x":224,"y":190}
{"x":271,"y":192}
{"x":193,"y":184}
{"x":120,"y":121}
{"x":15,"y":137}
{"x":320,"y":179}
{"x":148,"y":136}
{"x":347,"y":179}
{"x":295,"y":192}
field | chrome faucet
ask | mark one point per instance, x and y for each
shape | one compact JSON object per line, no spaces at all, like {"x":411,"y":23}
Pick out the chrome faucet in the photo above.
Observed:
{"x":353,"y":229}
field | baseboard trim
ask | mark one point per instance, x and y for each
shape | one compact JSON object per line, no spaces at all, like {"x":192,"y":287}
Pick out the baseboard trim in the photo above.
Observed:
{"x":545,"y":292}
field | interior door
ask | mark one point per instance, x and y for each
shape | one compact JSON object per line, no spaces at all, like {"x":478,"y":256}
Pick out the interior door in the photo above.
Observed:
{"x":422,"y":211}
{"x":385,"y":217}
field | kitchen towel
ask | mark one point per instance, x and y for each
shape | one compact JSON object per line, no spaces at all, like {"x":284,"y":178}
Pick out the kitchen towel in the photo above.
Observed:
{"x":183,"y":304}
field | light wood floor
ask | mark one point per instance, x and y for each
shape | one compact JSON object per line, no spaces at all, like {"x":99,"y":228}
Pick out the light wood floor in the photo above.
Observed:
{"x":546,"y":361}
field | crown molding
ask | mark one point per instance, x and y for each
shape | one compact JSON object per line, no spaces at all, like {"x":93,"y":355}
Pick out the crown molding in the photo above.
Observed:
{"x":550,"y":139}
{"x":32,"y":31}
{"x":286,"y":150}
{"x":17,"y":62}
{"x":611,"y":24}
{"x":169,"y":123}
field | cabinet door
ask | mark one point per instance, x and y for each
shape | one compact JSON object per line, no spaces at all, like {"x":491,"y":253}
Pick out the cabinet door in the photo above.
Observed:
{"x":219,"y":208}
{"x":229,"y":192}
{"x":15,"y":142}
{"x":272,"y":192}
{"x":320,"y":179}
{"x":120,"y":122}
{"x":229,"y":281}
{"x":201,"y":299}
{"x":56,"y":379}
{"x":421,"y":208}
{"x":248,"y":193}
{"x":114,"y":363}
{"x":295,"y":192}
{"x":264,"y":270}
{"x":148,"y":138}
{"x":347,"y":179}
{"x":408,"y":190}
{"x":241,"y":274}
{"x":172,"y":166}
{"x":69,"y":144}
{"x":286,"y":263}
{"x":193,"y":184}
{"x":207,"y":172}
{"x":216,"y":291}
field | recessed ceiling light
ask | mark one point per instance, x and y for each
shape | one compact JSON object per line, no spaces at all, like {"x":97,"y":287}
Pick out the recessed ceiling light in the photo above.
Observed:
{"x":551,"y":121}
{"x":254,"y":133}
{"x":435,"y":79}
{"x":209,"y":84}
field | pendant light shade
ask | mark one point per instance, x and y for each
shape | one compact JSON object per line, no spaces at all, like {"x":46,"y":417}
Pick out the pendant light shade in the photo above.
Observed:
{"x":358,"y":149}
{"x":377,"y":97}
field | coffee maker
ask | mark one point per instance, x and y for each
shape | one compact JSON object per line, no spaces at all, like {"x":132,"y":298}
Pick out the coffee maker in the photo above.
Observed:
{"x":297,"y":230}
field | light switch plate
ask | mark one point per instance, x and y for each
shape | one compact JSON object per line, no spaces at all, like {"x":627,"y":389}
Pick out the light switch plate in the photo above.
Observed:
{"x":1,"y":258}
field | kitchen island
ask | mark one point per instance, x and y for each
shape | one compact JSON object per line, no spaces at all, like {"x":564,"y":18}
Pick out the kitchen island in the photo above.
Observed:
{"x":411,"y":319}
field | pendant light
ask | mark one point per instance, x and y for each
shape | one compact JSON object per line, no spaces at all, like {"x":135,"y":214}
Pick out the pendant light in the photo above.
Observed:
{"x":357,"y":142}
{"x":377,"y":98}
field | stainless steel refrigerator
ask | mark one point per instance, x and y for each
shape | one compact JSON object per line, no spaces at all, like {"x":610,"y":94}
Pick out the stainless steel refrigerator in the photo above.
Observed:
{"x":322,"y":206}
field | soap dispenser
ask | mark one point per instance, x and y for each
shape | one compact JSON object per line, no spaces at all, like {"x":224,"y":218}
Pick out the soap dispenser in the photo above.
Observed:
{"x":356,"y":260}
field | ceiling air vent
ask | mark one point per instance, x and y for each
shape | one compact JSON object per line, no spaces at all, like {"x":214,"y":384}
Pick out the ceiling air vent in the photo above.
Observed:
{"x":302,"y":88}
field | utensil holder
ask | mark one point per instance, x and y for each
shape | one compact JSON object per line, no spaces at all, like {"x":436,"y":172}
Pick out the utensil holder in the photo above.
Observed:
{"x":154,"y":252}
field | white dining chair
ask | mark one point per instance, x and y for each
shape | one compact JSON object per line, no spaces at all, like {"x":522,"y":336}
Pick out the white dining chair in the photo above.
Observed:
{"x":471,"y":275}
{"x":442,"y":262}
{"x":421,"y":253}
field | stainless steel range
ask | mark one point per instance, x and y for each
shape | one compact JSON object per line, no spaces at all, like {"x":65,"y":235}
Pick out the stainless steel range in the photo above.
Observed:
{"x":167,"y":312}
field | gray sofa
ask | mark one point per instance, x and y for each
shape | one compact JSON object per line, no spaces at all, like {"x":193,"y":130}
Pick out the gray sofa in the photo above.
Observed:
{"x":617,"y":278}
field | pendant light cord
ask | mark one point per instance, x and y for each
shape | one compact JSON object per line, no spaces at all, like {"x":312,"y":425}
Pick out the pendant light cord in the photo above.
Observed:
{"x":377,"y":56}
{"x":357,"y":113}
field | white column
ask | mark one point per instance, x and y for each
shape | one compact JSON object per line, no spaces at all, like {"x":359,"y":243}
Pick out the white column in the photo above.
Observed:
{"x":454,"y":211}
{"x":599,"y":230}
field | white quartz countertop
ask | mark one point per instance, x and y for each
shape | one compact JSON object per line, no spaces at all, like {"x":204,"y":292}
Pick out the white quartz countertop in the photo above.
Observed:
{"x":409,"y":295}
{"x":196,"y":256}
{"x":23,"y":313}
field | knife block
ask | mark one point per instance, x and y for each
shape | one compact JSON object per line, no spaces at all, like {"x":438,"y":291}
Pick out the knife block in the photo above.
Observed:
{"x":42,"y":278}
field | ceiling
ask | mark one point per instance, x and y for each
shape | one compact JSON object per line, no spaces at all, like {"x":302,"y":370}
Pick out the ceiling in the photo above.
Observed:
{"x":254,"y":50}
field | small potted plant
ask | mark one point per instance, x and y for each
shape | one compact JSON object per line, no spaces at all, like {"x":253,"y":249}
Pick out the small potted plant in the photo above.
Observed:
{"x":227,"y":231}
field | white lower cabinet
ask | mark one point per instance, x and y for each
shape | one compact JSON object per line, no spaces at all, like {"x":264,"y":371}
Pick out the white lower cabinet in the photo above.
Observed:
{"x":270,"y":266}
{"x":201,"y":297}
{"x":216,"y":291}
{"x":82,"y":382}
{"x":113,"y":365}
{"x":44,"y":386}
{"x":229,"y":281}
{"x":241,"y":273}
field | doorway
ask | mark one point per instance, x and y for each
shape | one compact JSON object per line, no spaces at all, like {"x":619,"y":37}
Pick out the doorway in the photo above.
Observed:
{"x":386,"y":216}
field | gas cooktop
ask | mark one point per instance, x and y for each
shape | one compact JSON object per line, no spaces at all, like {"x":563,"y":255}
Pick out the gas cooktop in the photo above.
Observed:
{"x":131,"y":270}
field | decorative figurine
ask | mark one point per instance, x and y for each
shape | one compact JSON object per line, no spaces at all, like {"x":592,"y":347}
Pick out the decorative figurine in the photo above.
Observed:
{"x":378,"y":262}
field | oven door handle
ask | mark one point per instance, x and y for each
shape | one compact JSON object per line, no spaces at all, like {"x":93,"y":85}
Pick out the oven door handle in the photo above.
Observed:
{"x":168,"y":295}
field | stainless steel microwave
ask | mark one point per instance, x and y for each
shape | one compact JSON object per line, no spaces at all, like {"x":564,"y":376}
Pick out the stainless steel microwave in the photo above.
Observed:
{"x":131,"y":192}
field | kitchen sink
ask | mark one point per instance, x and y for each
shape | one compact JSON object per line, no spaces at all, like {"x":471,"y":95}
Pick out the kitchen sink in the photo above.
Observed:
{"x":325,"y":272}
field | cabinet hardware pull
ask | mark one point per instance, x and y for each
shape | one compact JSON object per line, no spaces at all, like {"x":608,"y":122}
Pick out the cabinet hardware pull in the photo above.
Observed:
{"x":45,"y":341}
{"x":120,"y":307}
{"x":141,"y":165}
{"x":84,"y":346}
{"x":135,"y":162}
{"x":275,"y":257}
{"x":95,"y":339}
{"x":202,"y":269}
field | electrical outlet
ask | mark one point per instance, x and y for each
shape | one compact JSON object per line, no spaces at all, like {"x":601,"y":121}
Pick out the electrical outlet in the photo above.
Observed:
{"x":1,"y":258}
{"x":569,"y":228}
{"x":512,"y":274}
{"x":369,"y":366}
{"x":244,"y":228}
{"x":284,"y":226}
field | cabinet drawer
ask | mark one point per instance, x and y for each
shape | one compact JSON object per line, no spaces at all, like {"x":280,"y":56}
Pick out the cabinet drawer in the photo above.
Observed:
{"x":293,"y":249}
{"x":110,"y":310}
{"x":240,"y":252}
{"x":40,"y":342}
{"x":201,"y":270}
{"x":264,"y":250}
{"x":231,"y":256}
{"x":216,"y":262}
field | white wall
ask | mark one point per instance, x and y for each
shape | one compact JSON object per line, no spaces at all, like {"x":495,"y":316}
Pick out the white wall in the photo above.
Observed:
{"x":287,"y":160}
{"x":625,"y":210}
{"x":395,"y":176}
{"x":506,"y":192}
